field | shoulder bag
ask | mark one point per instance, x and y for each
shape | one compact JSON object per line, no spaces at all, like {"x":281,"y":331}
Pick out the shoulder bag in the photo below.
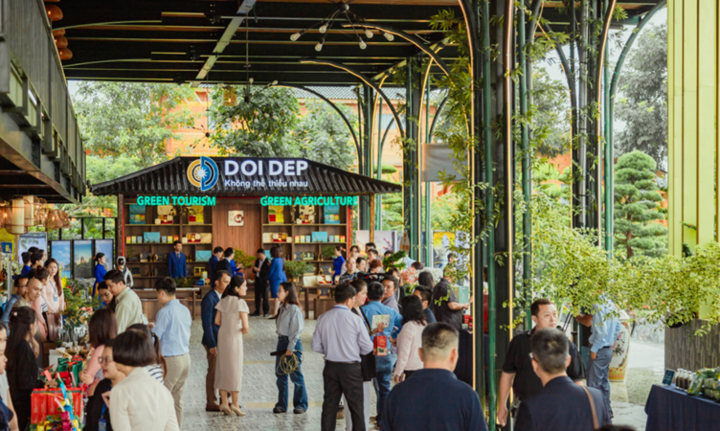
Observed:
{"x":596,"y":424}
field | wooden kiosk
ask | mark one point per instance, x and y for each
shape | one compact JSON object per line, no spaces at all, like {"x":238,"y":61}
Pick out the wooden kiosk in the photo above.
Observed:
{"x":244,"y":203}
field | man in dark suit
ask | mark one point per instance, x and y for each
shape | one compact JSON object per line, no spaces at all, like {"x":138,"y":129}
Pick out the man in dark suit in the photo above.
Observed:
{"x":261,"y":270}
{"x":217,"y":255}
{"x":177,"y":264}
{"x":210,"y":335}
{"x":561,"y":405}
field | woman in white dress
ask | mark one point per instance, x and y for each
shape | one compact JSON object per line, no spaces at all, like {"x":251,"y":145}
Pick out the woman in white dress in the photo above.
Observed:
{"x":53,"y":296}
{"x":232,"y":317}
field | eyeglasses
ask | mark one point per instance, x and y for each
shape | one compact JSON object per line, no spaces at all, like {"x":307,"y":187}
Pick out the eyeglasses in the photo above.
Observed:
{"x":105,"y":360}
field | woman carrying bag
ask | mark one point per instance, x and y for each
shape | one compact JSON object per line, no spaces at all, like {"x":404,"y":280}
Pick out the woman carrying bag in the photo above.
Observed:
{"x":289,"y":324}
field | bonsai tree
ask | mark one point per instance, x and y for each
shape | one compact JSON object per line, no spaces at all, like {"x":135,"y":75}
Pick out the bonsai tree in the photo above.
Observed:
{"x":638,"y":227}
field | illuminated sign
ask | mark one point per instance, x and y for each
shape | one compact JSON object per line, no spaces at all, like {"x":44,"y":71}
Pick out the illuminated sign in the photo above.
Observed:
{"x":248,"y":173}
{"x":308,"y":200}
{"x":205,"y":201}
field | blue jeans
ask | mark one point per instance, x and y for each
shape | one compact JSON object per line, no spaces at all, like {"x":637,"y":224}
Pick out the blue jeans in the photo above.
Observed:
{"x":300,"y":398}
{"x":384,"y":366}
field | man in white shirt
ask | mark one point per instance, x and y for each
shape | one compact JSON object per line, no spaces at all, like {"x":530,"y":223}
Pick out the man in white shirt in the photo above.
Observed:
{"x":129,"y":306}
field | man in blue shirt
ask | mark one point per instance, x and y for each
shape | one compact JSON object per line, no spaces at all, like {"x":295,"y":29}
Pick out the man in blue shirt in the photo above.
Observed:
{"x":605,"y":330}
{"x":172,"y":326}
{"x":384,"y":365}
{"x":217,"y":255}
{"x":433,"y":398}
{"x":341,"y":337}
{"x":177,"y":264}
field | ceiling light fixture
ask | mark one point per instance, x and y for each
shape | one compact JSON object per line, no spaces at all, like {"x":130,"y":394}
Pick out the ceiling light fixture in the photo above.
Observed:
{"x":342,"y":12}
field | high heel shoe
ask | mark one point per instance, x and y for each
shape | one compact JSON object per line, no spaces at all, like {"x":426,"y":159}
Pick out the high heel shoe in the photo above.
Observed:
{"x":226,"y":410}
{"x":237,"y":411}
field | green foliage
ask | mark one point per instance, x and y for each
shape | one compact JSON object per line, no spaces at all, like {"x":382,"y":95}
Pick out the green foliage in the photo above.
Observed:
{"x":298,"y":268}
{"x":185,"y":281}
{"x":549,"y":115}
{"x":271,"y":125}
{"x":385,"y":169}
{"x":244,"y":259}
{"x":131,"y":119}
{"x":394,"y":261}
{"x":392,"y":212}
{"x":637,"y":203}
{"x":642,"y":100}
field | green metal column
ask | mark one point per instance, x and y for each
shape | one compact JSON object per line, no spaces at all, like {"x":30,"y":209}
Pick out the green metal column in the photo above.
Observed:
{"x":489,"y":205}
{"x":366,"y":146}
{"x":428,"y":193}
{"x":378,"y":174}
{"x":526,"y":166}
{"x":411,"y":187}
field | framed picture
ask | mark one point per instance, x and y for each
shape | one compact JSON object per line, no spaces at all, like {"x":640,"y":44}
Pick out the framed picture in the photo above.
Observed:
{"x":62,"y":252}
{"x":203,"y":255}
{"x":32,"y":239}
{"x":82,"y":259}
{"x":106,"y":246}
{"x":236,"y":218}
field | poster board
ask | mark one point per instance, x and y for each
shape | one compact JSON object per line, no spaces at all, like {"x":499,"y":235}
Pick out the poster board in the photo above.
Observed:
{"x":31,"y":239}
{"x":61,"y":251}
{"x":106,"y":246}
{"x":82,"y":259}
{"x":385,"y":240}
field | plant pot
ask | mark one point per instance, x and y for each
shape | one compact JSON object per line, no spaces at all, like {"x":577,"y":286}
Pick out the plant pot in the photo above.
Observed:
{"x":621,"y":349}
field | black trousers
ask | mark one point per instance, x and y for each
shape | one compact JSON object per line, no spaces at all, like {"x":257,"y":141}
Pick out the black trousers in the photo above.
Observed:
{"x":261,"y":295}
{"x":342,"y":379}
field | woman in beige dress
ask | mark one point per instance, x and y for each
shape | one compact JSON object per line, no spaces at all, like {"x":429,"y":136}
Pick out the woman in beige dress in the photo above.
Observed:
{"x":233,"y":321}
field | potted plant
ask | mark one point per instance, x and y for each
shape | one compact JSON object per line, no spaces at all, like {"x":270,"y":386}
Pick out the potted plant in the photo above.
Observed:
{"x":244,"y":259}
{"x":296,"y":269}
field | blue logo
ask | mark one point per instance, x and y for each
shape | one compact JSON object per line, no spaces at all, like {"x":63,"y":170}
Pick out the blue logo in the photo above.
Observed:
{"x":203,"y":173}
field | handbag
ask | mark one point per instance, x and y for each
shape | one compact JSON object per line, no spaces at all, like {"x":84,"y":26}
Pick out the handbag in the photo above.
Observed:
{"x":596,"y":424}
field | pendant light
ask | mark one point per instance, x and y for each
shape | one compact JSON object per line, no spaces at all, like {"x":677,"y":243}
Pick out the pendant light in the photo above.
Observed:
{"x":16,"y":225}
{"x":29,"y":207}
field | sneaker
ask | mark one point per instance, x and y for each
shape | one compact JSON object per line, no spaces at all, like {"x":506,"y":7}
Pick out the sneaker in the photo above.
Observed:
{"x":298,"y":411}
{"x":278,"y":410}
{"x":255,"y":314}
{"x":268,"y":316}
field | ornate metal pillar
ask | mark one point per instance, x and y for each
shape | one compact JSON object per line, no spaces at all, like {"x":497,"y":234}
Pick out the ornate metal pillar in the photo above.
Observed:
{"x":411,"y":180}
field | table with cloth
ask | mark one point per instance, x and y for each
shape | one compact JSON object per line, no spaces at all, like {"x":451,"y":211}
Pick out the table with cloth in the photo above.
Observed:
{"x":671,"y":409}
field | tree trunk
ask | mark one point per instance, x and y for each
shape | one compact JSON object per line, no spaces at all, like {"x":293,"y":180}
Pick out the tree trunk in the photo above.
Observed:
{"x":630,"y":251}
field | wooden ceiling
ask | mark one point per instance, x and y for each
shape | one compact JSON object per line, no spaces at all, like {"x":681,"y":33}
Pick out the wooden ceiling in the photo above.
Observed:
{"x":208,"y":40}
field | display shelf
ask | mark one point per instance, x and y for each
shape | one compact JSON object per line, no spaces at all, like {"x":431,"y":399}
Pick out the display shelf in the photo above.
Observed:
{"x":165,"y":262}
{"x":166,"y":243}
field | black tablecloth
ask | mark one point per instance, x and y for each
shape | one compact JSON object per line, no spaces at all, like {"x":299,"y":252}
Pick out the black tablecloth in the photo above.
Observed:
{"x":670,"y":409}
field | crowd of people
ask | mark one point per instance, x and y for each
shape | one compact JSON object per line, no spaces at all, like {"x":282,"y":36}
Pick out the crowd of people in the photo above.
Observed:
{"x":377,"y":338}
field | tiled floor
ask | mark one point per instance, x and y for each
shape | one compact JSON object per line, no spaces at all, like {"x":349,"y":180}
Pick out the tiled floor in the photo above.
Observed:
{"x":259,"y":392}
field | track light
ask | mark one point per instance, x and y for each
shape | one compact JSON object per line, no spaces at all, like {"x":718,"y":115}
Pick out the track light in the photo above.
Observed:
{"x":363,"y":45}
{"x":369,"y":34}
{"x":389,"y":37}
{"x":323,"y":28}
{"x":319,"y":46}
{"x":296,"y":36}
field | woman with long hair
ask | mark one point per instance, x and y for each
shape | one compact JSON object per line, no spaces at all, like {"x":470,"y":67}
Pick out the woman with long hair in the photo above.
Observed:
{"x":139,"y":402}
{"x":96,"y":409}
{"x":99,"y":270}
{"x":55,"y":299}
{"x":157,"y":369}
{"x":425,"y":278}
{"x":290,"y":322}
{"x":276,"y":274}
{"x":409,"y":340}
{"x":232,"y":318}
{"x":102,"y":327}
{"x":21,"y":366}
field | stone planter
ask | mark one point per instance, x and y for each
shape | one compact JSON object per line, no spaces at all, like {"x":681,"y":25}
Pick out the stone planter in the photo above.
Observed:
{"x":621,"y":348}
